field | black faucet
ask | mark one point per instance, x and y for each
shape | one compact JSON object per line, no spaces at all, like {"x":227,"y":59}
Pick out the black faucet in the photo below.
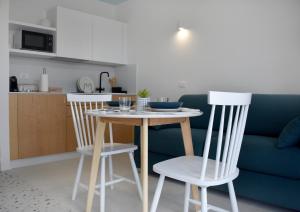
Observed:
{"x":100,"y":81}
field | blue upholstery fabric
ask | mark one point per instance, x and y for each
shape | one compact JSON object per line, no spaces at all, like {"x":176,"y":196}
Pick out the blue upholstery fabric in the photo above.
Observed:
{"x":271,"y":189}
{"x":269,"y":114}
{"x":161,"y":138}
{"x":290,"y":135}
{"x":197,"y":102}
{"x":170,"y":142}
{"x":260,"y":154}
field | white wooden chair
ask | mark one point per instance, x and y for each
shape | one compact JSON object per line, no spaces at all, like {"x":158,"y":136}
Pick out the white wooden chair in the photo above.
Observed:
{"x":202,"y":171}
{"x":85,"y":134}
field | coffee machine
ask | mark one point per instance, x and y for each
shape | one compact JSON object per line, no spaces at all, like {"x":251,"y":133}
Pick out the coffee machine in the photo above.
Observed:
{"x":13,"y":84}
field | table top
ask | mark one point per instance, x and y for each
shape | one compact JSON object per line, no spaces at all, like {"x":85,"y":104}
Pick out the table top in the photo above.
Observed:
{"x":186,"y":112}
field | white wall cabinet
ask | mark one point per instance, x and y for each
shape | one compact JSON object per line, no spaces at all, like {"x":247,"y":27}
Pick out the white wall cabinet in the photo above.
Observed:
{"x":89,"y":37}
{"x":74,"y":34}
{"x":108,"y":39}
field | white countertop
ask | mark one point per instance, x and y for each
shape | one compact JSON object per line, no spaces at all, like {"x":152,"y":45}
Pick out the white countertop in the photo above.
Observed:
{"x":39,"y":93}
{"x":64,"y":93}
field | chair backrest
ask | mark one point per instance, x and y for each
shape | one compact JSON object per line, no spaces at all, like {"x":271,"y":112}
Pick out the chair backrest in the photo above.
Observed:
{"x":84,"y":125}
{"x":228,"y":149}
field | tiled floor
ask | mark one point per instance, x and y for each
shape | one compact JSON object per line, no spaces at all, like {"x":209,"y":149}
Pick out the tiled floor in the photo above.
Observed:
{"x":48,"y":188}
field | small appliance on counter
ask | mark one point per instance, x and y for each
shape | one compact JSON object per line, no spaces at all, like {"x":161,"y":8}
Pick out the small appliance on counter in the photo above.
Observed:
{"x":117,"y":90}
{"x":113,"y":84}
{"x":44,"y":81}
{"x":13,"y":84}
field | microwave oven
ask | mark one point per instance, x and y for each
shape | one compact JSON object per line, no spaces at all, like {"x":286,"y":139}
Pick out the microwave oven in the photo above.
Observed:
{"x":36,"y":41}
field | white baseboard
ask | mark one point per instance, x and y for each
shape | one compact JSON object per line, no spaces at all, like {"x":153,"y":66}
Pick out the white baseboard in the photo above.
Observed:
{"x":41,"y":160}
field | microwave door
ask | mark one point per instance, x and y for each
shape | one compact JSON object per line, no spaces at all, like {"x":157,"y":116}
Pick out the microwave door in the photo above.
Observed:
{"x":34,"y":41}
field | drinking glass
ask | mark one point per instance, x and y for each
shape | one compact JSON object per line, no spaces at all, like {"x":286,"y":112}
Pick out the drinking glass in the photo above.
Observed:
{"x":124,"y":103}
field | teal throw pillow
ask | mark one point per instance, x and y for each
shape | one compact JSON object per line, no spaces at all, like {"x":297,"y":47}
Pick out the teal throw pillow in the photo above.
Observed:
{"x":290,"y":135}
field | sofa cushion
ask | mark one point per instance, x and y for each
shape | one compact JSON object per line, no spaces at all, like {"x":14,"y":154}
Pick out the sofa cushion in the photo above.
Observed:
{"x":269,"y":113}
{"x":290,"y":135}
{"x":197,"y":102}
{"x":259,"y":154}
{"x":169,"y":141}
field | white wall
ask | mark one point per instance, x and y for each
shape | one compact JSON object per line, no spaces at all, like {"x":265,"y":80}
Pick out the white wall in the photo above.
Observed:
{"x":237,"y":45}
{"x":4,"y":73}
{"x":126,"y":78}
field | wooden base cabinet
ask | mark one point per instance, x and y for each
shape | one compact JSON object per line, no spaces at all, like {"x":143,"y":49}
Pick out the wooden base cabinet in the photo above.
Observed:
{"x":71,"y":137}
{"x":42,"y":124}
{"x":40,"y":127}
{"x":13,"y":127}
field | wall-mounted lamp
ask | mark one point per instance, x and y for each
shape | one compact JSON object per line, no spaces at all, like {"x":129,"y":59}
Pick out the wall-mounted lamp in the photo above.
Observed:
{"x":181,"y":28}
{"x":183,"y":33}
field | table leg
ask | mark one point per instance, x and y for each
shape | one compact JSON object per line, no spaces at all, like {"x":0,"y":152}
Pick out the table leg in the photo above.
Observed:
{"x":100,"y":129}
{"x":144,"y":163}
{"x":189,"y":150}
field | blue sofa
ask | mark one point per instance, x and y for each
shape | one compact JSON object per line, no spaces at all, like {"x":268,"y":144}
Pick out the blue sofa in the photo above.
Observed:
{"x":267,"y":173}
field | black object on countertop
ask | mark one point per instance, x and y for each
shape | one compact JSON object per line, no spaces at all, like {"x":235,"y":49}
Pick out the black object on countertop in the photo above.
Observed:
{"x":117,"y":90}
{"x":100,"y":81}
{"x":13,"y":84}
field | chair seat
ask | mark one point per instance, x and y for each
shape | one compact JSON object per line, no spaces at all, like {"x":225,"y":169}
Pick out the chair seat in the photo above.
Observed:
{"x":188,"y":168}
{"x":110,"y":149}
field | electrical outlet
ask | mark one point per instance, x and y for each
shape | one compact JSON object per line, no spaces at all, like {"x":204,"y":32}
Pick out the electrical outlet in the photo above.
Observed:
{"x":182,"y":84}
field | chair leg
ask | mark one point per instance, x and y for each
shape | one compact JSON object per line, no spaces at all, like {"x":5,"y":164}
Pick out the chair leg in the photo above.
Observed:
{"x":78,"y":176}
{"x":111,"y":172}
{"x":187,"y":197}
{"x":204,"y":199}
{"x":232,"y":196}
{"x":136,"y":175}
{"x":157,"y":193}
{"x":102,"y":185}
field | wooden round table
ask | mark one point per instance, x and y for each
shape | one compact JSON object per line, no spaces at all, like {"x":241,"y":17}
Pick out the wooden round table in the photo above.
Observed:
{"x":142,"y":119}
